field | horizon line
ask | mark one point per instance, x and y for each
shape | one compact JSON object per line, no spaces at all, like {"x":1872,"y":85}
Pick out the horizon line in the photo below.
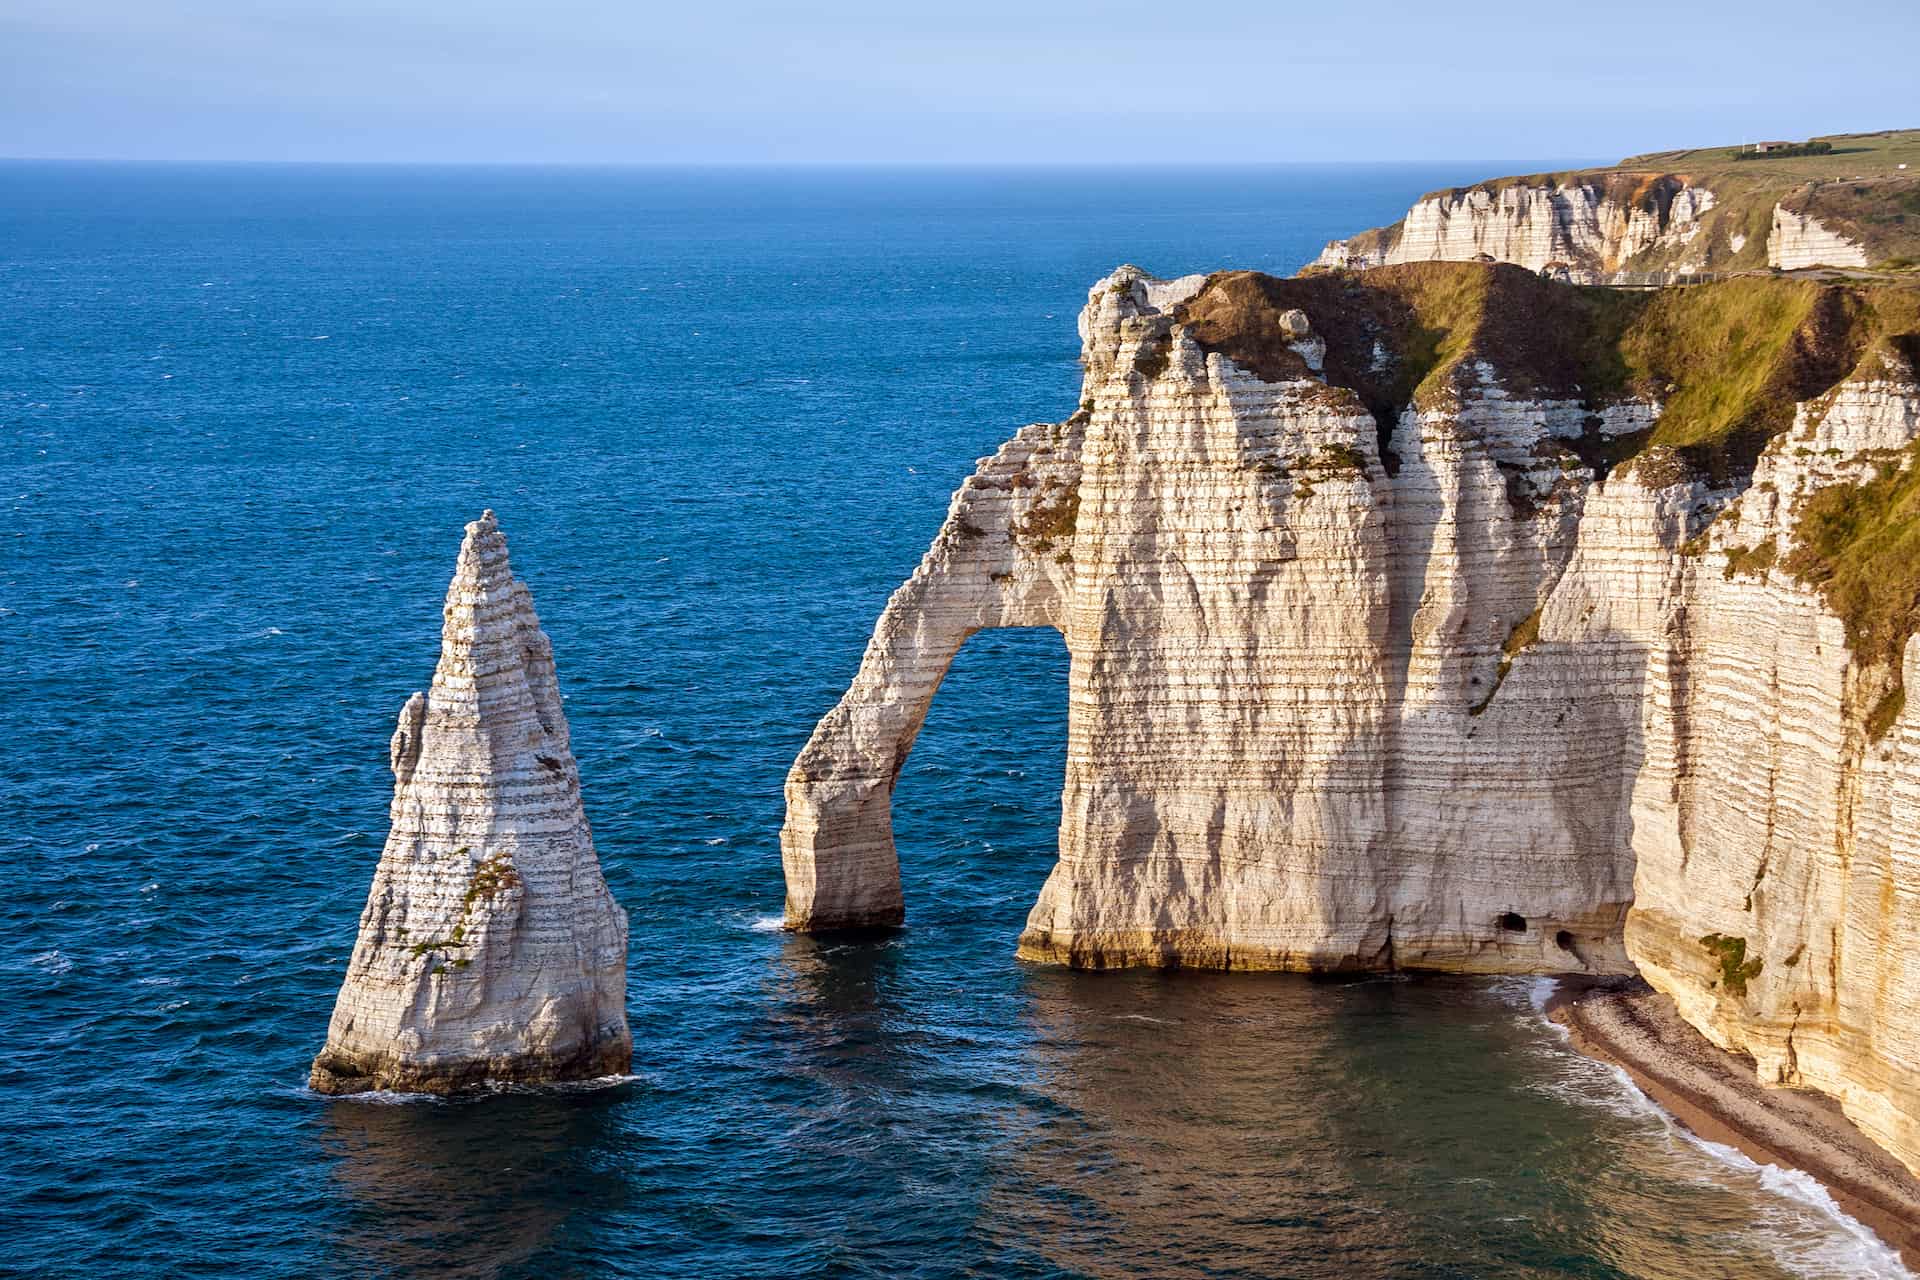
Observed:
{"x":784,"y":165}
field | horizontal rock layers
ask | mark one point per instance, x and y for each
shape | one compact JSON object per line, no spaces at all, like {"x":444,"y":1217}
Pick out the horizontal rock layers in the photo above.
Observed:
{"x":1284,"y":749}
{"x":1628,"y":225}
{"x":1420,"y":619}
{"x":490,"y":949}
{"x":1802,"y":240}
{"x":1586,"y":229}
{"x":1776,"y":815}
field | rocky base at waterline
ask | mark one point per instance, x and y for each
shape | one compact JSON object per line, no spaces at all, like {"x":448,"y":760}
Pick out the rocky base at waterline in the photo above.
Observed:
{"x":1715,"y":1095}
{"x":490,"y":950}
{"x":393,"y":1073}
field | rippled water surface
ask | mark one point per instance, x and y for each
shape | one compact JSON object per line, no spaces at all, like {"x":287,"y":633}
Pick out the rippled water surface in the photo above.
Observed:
{"x":243,"y":415}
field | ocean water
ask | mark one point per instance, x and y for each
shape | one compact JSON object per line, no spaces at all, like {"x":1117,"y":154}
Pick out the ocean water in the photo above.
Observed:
{"x":244,"y":413}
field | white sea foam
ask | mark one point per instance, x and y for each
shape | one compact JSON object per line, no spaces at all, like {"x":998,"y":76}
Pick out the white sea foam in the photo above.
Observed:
{"x":52,"y":962}
{"x":768,"y":924}
{"x":1803,"y":1228}
{"x":576,"y":1086}
{"x":383,"y":1097}
{"x":491,"y":1089}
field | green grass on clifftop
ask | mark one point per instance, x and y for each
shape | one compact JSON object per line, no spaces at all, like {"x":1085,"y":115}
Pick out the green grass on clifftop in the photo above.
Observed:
{"x":1728,"y":360}
{"x":1875,"y":154}
{"x":1856,"y":189}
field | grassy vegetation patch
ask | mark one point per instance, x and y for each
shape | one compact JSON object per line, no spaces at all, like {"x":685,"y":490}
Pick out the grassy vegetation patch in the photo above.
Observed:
{"x":1885,"y":712}
{"x":1524,"y":635}
{"x":1151,"y":357}
{"x":1751,"y":561}
{"x":1728,"y":360}
{"x":1735,"y":969}
{"x":1732,"y":359}
{"x":1602,"y":452}
{"x":1398,"y":335}
{"x":1337,"y":459}
{"x":1055,"y":514}
{"x":494,"y":875}
{"x":1860,"y":546}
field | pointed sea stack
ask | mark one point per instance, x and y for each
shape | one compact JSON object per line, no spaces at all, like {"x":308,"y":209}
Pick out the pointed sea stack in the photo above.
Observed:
{"x":490,"y":949}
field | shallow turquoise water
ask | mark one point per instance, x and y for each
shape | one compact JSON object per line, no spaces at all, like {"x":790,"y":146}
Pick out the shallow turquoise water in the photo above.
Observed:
{"x":243,"y":415}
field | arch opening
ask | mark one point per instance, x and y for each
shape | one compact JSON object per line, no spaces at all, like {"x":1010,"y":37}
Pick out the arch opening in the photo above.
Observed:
{"x":976,"y":805}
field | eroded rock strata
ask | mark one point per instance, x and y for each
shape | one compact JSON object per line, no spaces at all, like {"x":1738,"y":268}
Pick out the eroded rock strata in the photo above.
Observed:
{"x":490,"y":949}
{"x":1704,"y":210}
{"x":1443,"y":617}
{"x":1800,"y":240}
{"x":1586,"y":228}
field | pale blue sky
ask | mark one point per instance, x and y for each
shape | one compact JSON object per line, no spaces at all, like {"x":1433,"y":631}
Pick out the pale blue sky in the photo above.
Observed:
{"x":856,"y":81}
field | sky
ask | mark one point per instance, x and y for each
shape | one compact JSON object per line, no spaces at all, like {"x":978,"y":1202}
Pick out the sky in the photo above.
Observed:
{"x":959,"y":82}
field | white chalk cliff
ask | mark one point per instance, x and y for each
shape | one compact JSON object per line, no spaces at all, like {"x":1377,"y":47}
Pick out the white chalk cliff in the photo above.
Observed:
{"x":1802,"y":240}
{"x":1620,"y":226}
{"x":490,"y":949}
{"x":1364,"y":676}
{"x":1588,"y":229}
{"x":1776,"y":816}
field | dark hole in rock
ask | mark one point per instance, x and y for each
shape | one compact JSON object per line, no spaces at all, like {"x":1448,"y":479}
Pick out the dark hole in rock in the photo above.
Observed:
{"x":1513,"y":922}
{"x":1563,"y":940}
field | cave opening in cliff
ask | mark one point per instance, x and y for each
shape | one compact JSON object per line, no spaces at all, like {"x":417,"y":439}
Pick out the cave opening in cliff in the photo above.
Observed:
{"x":976,"y":809}
{"x":1513,"y":922}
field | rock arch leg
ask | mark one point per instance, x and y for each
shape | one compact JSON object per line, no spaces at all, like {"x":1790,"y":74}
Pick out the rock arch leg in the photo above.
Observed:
{"x":1002,"y":559}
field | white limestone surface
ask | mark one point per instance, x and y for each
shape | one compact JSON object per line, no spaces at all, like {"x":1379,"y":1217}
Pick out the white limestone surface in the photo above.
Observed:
{"x":1458,"y":703}
{"x":1801,"y":240}
{"x":1778,"y":854}
{"x":490,"y":949}
{"x":1284,"y":745}
{"x":1586,"y":231}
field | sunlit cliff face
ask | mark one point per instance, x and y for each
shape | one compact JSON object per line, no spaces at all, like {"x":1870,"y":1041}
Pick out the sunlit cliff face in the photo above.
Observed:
{"x":1429,"y":628}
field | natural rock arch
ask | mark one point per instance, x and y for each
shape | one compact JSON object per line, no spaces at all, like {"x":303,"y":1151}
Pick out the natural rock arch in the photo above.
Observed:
{"x":1287,"y":690}
{"x":1002,"y":559}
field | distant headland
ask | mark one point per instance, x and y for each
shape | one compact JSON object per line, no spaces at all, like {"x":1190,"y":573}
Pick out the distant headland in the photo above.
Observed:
{"x":1847,"y":201}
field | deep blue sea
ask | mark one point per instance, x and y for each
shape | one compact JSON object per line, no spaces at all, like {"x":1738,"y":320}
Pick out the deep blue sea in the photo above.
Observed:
{"x":244,"y":413}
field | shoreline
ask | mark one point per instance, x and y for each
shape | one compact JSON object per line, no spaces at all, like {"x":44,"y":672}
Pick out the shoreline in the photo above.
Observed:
{"x":1714,"y":1095}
